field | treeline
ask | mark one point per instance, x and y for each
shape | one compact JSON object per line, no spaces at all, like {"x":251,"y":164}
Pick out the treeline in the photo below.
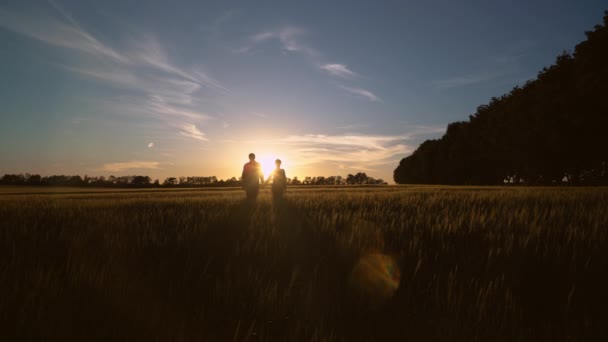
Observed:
{"x":357,"y":179}
{"x":553,"y":130}
{"x":183,"y":182}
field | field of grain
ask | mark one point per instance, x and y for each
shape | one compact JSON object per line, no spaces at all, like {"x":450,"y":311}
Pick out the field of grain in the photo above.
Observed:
{"x":326,"y":264}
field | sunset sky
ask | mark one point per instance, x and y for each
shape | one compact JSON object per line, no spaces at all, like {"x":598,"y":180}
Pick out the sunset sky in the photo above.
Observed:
{"x":190,"y":88}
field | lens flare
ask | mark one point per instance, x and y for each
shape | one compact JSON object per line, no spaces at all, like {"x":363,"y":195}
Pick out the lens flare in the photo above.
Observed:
{"x":375,"y":276}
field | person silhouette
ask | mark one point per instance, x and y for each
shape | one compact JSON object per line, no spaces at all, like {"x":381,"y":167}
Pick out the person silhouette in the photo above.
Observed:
{"x":252,"y":177}
{"x":279,"y":181}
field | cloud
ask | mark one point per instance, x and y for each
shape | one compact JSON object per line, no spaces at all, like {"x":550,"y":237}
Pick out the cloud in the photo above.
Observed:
{"x":287,"y":36}
{"x":54,"y":32}
{"x":130,"y":165}
{"x":263,"y":36}
{"x":362,"y":92}
{"x":366,"y":141}
{"x":163,"y":91}
{"x":339,"y":70}
{"x":347,"y":150}
{"x":160,"y":105}
{"x":151,"y":145}
{"x":147,"y":50}
{"x":190,"y":130}
{"x":351,"y":127}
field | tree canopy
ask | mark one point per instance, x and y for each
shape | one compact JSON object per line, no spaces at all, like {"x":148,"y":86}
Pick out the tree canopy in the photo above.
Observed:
{"x":551,"y":130}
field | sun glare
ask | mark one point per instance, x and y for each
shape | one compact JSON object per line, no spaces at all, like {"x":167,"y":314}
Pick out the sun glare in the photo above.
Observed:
{"x":267,"y":162}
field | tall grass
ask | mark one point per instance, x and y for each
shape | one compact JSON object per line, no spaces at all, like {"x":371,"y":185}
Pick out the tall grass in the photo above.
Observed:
{"x":388,"y":263}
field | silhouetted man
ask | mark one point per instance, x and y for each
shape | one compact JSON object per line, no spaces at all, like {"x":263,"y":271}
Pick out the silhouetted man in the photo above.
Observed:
{"x":252,"y":177}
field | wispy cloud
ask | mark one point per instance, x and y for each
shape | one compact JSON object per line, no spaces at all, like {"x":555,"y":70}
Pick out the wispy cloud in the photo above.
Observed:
{"x":58,"y":33}
{"x":148,"y":50}
{"x":288,"y":38}
{"x":115,"y":75}
{"x":354,"y":152}
{"x":350,"y":127}
{"x":191,"y":131}
{"x":339,"y":70}
{"x":130,"y":165}
{"x":166,"y":108}
{"x":262,"y":36}
{"x":365,"y":141}
{"x":164,"y":89}
{"x":345,"y":151}
{"x":363,"y":93}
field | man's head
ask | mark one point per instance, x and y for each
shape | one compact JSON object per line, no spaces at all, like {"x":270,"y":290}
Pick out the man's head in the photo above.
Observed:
{"x":278,"y":162}
{"x":252,"y":156}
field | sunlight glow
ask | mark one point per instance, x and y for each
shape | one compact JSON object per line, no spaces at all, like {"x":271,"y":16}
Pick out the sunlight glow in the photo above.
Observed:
{"x":267,"y":160}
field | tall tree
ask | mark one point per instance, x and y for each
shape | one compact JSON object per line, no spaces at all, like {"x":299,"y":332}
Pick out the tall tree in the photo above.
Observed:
{"x":550,"y":130}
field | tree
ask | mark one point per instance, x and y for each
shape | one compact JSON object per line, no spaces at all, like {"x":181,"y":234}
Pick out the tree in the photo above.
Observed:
{"x":548,"y":131}
{"x":171,"y":181}
{"x":140,"y":181}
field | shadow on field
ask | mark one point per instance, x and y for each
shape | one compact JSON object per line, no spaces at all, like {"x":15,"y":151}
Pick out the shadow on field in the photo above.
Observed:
{"x":422,"y":266}
{"x":349,"y":278}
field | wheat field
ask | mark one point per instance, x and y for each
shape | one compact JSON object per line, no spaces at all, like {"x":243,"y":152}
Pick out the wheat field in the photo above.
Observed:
{"x":326,"y":264}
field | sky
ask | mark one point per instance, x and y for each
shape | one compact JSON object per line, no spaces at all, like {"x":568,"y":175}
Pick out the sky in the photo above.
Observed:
{"x":190,"y":88}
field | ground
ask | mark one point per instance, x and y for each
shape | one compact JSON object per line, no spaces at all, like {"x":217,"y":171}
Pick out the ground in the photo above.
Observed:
{"x":325,"y":264}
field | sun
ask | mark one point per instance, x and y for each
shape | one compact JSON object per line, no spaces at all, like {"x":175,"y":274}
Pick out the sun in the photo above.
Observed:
{"x":267,"y":162}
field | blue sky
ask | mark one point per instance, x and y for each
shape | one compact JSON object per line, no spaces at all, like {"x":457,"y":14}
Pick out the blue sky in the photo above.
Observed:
{"x":181,"y":88}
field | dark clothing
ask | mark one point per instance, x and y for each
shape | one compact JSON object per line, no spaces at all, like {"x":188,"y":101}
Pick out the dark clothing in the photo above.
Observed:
{"x":252,"y":176}
{"x":252,"y":193}
{"x":279,"y":183}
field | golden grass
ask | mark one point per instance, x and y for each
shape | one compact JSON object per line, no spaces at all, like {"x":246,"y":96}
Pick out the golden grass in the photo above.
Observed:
{"x":327,"y":264}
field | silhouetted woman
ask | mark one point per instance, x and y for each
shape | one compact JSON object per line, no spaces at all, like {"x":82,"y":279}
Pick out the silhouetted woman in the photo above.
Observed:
{"x":279,"y":181}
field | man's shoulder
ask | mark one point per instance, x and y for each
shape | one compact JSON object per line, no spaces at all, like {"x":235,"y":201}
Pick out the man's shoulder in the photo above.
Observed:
{"x":251,"y":164}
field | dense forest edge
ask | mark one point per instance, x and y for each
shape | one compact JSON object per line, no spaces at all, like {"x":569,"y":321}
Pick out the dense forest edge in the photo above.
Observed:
{"x":550,"y":131}
{"x":135,"y":181}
